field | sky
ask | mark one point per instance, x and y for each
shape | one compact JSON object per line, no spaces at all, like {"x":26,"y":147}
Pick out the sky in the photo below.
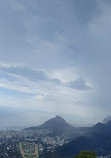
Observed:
{"x":55,"y":59}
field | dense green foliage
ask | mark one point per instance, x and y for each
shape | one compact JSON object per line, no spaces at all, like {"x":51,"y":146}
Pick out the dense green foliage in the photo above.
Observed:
{"x":86,"y":154}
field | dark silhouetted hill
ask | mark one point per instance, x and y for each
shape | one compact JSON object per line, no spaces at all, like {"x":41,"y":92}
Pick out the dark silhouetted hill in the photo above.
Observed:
{"x":57,"y":124}
{"x":98,"y":138}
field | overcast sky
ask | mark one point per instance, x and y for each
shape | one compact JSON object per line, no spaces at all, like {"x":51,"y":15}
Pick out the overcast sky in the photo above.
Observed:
{"x":55,"y":58}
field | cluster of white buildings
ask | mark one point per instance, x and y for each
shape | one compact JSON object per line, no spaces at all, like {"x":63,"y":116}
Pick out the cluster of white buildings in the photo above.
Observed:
{"x":109,"y":156}
{"x":43,"y":137}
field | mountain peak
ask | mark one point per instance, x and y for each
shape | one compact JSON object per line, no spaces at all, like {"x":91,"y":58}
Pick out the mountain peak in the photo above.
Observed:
{"x":56,"y":121}
{"x":57,"y":124}
{"x":58,"y":117}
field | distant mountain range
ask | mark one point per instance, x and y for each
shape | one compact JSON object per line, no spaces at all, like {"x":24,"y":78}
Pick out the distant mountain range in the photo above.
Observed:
{"x":57,"y":124}
{"x":97,"y":137}
{"x":108,"y":118}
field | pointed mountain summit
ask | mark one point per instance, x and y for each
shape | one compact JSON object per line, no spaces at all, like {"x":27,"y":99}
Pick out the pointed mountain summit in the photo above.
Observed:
{"x":54,"y":122}
{"x":57,"y":124}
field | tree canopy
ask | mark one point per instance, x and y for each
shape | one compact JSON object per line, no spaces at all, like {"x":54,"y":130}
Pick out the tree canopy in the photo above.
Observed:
{"x":86,"y":154}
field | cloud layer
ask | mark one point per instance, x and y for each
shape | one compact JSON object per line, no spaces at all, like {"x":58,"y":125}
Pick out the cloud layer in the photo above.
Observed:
{"x":55,"y":56}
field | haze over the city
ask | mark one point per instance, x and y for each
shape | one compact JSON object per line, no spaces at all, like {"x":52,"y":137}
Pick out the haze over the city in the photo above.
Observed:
{"x":55,"y":59}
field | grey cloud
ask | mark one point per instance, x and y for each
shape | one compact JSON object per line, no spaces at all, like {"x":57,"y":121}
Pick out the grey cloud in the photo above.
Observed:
{"x":85,"y":10}
{"x":79,"y":84}
{"x":107,"y":2}
{"x":62,"y":27}
{"x":32,"y":74}
{"x":50,"y":19}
